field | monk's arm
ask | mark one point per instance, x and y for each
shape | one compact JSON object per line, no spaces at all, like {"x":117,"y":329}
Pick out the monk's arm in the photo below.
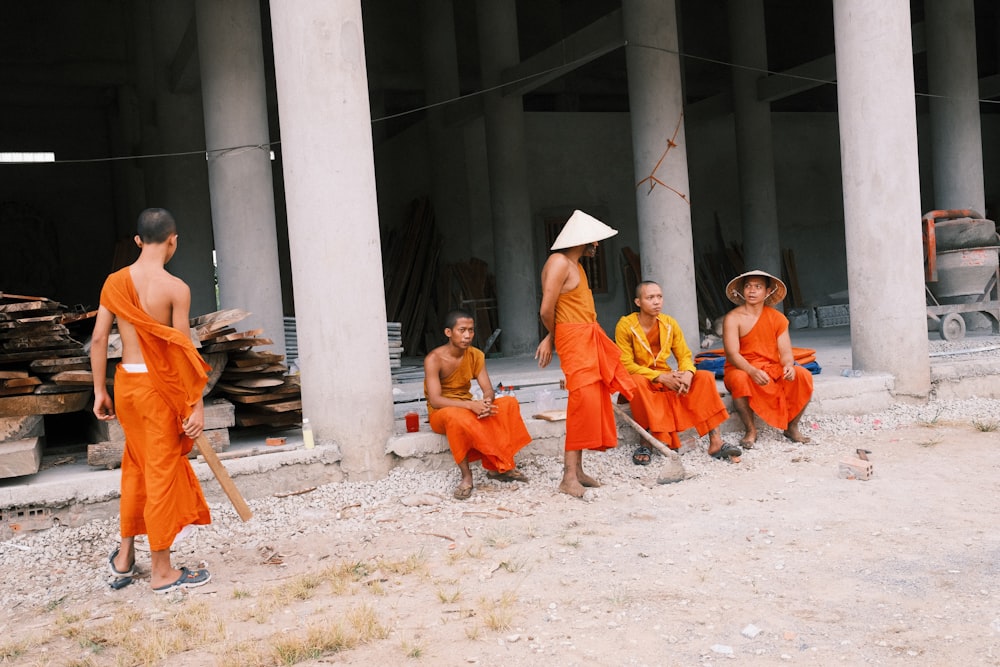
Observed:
{"x":624,"y":340}
{"x":435,"y":397}
{"x":488,"y":392}
{"x":786,"y":355}
{"x":180,"y":315}
{"x":553,"y":278}
{"x":104,"y":407}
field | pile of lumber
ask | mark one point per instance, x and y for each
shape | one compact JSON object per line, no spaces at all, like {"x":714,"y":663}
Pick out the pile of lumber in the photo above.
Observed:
{"x":39,"y":349}
{"x":410,"y":262}
{"x":257,"y":381}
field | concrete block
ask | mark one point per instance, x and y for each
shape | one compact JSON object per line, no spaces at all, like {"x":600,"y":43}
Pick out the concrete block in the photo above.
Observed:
{"x":20,"y":457}
{"x":854,"y":468}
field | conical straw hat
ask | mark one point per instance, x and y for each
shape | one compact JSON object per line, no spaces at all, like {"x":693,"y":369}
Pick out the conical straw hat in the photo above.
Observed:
{"x":581,"y":229}
{"x":734,"y":290}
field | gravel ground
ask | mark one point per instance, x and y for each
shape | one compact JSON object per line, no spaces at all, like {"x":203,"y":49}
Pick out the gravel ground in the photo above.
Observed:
{"x":62,"y":568}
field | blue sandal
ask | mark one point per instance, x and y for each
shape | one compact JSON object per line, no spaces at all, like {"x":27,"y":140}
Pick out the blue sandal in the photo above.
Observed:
{"x":188,"y":579}
{"x":130,"y":572}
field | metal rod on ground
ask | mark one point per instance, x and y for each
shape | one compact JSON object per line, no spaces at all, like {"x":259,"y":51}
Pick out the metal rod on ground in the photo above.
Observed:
{"x":222,"y":475}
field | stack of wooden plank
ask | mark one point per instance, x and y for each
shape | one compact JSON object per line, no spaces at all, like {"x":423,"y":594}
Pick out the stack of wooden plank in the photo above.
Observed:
{"x":37,"y":346}
{"x":256,"y":381}
{"x":395,"y":332}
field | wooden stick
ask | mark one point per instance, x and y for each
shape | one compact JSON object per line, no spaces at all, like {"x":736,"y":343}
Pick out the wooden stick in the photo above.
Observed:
{"x":659,"y":446}
{"x":222,"y":475}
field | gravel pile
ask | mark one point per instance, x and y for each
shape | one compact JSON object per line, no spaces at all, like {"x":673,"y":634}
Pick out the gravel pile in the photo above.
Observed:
{"x":69,"y":564}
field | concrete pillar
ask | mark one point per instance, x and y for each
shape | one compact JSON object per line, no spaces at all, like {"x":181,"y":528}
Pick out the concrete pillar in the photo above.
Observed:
{"x":656,"y":111}
{"x":173,"y":124}
{"x":953,"y":82}
{"x":754,"y":151}
{"x":333,"y":231}
{"x":878,"y":154}
{"x":242,"y":192}
{"x":446,"y":157}
{"x":513,"y":230}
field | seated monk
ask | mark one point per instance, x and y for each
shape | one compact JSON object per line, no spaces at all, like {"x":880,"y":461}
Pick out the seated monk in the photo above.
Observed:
{"x":760,"y":370}
{"x":490,"y":430}
{"x":666,"y":401}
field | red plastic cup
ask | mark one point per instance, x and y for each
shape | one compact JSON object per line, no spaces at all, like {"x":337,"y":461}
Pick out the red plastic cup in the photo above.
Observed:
{"x":412,"y":422}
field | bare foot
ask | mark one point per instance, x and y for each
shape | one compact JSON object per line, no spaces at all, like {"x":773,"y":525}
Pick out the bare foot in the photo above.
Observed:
{"x":572,"y":488}
{"x":748,"y":441}
{"x":462,"y":492}
{"x":714,"y":443}
{"x":795,"y":435}
{"x":587,"y":481}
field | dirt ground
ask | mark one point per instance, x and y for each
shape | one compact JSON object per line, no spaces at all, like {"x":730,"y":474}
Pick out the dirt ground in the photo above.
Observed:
{"x":775,"y":560}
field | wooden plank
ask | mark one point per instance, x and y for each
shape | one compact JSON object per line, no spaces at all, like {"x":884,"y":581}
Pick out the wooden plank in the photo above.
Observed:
{"x":43,"y":404}
{"x":20,"y":457}
{"x":236,"y":344}
{"x":18,"y":428}
{"x":258,"y":398}
{"x":39,"y":342}
{"x":73,"y":377}
{"x":211,"y":322}
{"x":7,"y":375}
{"x":53,"y":388}
{"x":15,"y":391}
{"x":20,"y":382}
{"x":56,"y":365}
{"x":259,"y":418}
{"x":27,"y":306}
{"x":283,"y":406}
{"x":254,"y":358}
{"x":236,"y":335}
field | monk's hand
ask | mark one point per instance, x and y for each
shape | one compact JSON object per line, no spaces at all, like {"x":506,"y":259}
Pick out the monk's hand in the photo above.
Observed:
{"x":790,"y":372}
{"x":543,"y":353}
{"x":195,"y":422}
{"x":104,"y":408}
{"x":760,"y":377}
{"x":481,"y":408}
{"x":670,"y":381}
{"x":684,"y":378}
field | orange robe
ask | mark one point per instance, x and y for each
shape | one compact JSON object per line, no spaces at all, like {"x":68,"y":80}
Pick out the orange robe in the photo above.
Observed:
{"x":779,"y":401}
{"x":665,"y":413}
{"x":592,"y":366}
{"x":494,"y":440}
{"x":160,"y":493}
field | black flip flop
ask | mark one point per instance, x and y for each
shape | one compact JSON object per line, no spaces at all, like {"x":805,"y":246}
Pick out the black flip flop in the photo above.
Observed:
{"x":727,"y":452}
{"x":642,"y":456}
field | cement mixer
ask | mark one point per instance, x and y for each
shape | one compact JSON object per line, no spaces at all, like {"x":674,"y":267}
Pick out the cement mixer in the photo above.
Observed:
{"x":960,"y":270}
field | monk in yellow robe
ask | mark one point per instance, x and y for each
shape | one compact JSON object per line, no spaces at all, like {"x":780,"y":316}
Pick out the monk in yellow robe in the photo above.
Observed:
{"x":158,"y":400}
{"x":589,"y":359}
{"x":666,"y":401}
{"x":760,"y":370}
{"x":491,"y":429}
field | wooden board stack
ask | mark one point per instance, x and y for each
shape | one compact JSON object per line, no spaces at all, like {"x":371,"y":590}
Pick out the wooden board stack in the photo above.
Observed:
{"x":254,"y":380}
{"x":43,"y":370}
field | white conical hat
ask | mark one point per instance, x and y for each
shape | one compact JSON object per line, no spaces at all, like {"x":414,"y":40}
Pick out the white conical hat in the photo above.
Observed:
{"x":581,"y":229}
{"x":734,"y":290}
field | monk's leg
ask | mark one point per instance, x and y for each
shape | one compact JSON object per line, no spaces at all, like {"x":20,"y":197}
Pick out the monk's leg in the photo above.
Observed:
{"x":162,"y":573}
{"x":585,"y":479}
{"x":464,"y":489}
{"x":793,"y":433}
{"x":742,"y":406}
{"x":124,"y":560}
{"x":572,"y":467}
{"x":714,"y":441}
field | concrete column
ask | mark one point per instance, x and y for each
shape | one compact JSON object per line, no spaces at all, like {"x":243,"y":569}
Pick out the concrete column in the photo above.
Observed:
{"x":235,"y":106}
{"x":953,"y":81}
{"x":754,"y":151}
{"x":173,"y":124}
{"x":513,"y":232}
{"x":656,"y":110}
{"x":446,"y":158}
{"x":878,"y":154}
{"x":333,"y":232}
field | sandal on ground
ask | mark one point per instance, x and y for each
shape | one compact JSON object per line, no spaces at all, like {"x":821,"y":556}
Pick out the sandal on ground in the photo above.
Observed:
{"x":462,"y":493}
{"x":727,"y":452}
{"x":130,"y":572}
{"x":512,"y":475}
{"x":642,"y":456}
{"x":188,"y":579}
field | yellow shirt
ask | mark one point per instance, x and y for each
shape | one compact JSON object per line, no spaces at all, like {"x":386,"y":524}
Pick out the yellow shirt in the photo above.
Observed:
{"x":637,"y":354}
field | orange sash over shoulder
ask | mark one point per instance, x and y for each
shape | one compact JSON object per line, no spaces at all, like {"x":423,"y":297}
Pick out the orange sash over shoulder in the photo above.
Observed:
{"x":779,"y":401}
{"x":177,"y":370}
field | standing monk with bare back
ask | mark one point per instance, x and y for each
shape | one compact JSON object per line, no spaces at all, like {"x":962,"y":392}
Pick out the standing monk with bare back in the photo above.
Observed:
{"x":158,"y":396}
{"x":589,"y":359}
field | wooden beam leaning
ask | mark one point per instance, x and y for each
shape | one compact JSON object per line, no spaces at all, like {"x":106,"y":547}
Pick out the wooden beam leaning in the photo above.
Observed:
{"x":222,"y":475}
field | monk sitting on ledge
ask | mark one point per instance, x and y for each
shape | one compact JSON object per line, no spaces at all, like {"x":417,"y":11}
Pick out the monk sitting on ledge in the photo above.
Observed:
{"x":760,"y":370}
{"x":490,"y":430}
